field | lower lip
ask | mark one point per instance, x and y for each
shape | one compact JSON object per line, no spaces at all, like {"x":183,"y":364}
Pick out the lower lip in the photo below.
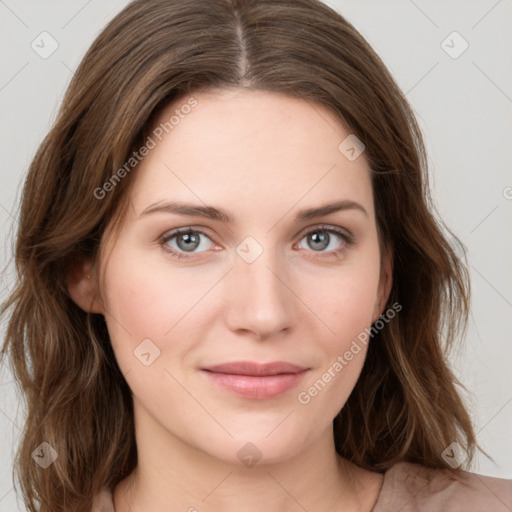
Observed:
{"x":257,"y":388}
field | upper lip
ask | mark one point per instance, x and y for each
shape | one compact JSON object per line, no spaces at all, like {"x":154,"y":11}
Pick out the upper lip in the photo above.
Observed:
{"x":257,"y":369}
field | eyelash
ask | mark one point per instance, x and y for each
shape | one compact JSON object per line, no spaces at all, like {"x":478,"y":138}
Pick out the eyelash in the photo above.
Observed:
{"x":348,"y":241}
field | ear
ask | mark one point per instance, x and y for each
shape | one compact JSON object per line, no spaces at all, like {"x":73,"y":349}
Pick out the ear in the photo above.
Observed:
{"x":83,"y":288}
{"x":385,"y":283}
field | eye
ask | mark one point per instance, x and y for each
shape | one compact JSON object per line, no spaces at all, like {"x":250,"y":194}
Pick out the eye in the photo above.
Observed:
{"x":187,"y":241}
{"x":322,"y":238}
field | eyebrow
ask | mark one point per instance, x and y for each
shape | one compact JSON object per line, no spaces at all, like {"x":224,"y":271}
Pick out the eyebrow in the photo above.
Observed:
{"x":219,"y":214}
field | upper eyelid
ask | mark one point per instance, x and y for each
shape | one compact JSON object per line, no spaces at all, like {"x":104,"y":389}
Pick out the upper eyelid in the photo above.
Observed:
{"x":326,"y":227}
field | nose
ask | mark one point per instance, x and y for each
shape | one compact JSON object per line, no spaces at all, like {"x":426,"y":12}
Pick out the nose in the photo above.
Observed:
{"x":260,"y":297}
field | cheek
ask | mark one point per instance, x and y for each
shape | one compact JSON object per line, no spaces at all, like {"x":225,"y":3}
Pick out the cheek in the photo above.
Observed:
{"x":345,"y":300}
{"x":142,"y":304}
{"x":145,"y":298}
{"x":347,"y":310}
{"x":346,"y":306}
{"x":348,"y":314}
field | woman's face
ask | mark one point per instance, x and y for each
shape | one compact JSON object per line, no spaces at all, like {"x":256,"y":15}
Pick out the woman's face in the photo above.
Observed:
{"x":270,"y":284}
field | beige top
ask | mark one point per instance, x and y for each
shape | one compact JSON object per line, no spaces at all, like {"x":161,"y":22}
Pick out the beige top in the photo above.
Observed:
{"x":411,"y":487}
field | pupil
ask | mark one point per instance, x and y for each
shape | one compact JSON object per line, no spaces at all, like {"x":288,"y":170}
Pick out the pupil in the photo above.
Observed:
{"x":189,"y":240}
{"x":319,"y":238}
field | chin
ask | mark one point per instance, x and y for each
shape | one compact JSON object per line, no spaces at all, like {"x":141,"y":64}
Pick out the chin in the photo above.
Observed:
{"x":256,"y":447}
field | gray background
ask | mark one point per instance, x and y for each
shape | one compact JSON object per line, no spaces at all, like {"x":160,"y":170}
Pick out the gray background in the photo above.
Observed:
{"x":464,"y":107}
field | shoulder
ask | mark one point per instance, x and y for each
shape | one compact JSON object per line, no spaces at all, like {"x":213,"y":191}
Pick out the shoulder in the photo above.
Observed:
{"x":103,"y":501}
{"x":410,"y":487}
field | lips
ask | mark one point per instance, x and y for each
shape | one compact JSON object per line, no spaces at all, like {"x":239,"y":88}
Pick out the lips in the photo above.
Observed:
{"x":255,"y":369}
{"x":255,"y":380}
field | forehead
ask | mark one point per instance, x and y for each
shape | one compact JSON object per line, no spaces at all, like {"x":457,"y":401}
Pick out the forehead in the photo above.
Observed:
{"x":249,"y":148}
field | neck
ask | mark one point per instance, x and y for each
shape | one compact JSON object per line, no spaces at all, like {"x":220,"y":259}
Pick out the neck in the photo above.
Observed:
{"x":172,"y":475}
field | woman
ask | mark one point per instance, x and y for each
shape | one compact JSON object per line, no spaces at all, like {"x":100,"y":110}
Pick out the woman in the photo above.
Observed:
{"x":233,"y":291}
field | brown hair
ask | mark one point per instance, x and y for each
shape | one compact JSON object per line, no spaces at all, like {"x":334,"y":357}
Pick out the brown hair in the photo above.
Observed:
{"x":405,"y":405}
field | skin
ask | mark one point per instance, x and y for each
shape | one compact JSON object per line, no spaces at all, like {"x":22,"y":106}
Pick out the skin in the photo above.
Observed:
{"x":262,"y":157}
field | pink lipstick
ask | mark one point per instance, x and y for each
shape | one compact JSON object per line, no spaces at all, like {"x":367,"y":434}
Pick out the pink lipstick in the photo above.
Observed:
{"x":255,"y":380}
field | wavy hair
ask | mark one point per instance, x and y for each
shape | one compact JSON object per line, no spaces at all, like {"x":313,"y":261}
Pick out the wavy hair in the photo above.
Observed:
{"x":405,"y":405}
